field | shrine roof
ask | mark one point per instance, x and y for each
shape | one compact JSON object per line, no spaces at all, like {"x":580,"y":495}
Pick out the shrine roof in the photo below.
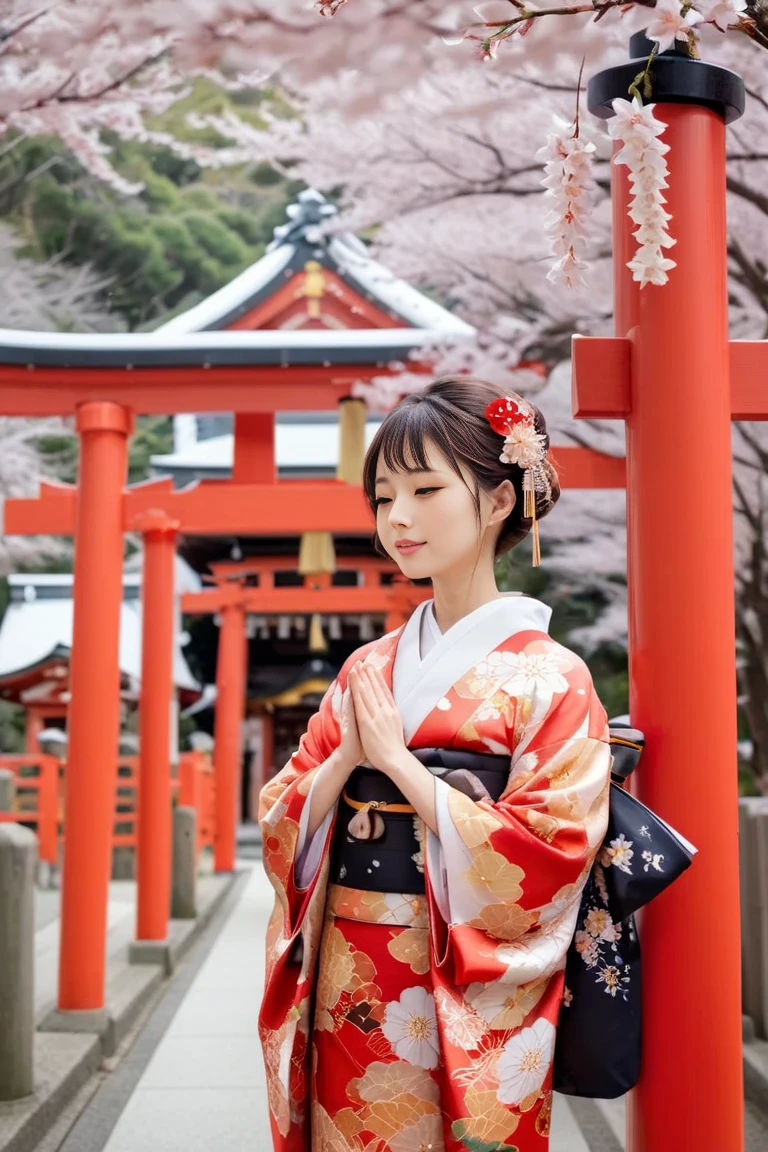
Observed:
{"x":37,"y":627}
{"x":213,"y":349}
{"x":306,"y":236}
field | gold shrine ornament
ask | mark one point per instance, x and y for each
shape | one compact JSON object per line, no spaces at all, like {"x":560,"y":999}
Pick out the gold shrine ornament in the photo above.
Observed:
{"x":316,"y":553}
{"x":314,"y":287}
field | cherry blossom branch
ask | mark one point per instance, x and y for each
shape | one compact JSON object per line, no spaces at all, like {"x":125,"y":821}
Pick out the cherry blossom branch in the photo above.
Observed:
{"x":748,"y":275}
{"x":739,"y":188}
{"x":117,"y":83}
{"x":6,"y":36}
{"x":528,"y":15}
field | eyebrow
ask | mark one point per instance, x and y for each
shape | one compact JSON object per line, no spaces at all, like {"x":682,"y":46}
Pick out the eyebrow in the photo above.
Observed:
{"x":414,"y":472}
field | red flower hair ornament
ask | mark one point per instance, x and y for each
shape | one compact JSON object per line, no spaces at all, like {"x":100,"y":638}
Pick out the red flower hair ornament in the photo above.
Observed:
{"x":523,"y":445}
{"x":526,"y":448}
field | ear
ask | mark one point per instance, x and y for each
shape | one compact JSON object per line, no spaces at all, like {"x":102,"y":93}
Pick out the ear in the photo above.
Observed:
{"x":503,"y":500}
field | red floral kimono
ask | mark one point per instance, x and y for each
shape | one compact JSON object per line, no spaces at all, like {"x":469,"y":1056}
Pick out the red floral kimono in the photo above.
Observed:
{"x":399,"y":1022}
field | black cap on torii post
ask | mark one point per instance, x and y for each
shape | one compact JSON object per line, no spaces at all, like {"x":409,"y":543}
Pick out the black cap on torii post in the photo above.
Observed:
{"x":676,"y":78}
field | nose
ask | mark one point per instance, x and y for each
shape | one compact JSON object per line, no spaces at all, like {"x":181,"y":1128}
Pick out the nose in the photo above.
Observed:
{"x":399,"y":513}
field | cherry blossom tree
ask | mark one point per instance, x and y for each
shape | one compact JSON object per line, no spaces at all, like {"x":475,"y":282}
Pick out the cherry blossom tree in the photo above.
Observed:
{"x":443,"y":176}
{"x":46,"y":295}
{"x":74,"y":69}
{"x":436,"y":156}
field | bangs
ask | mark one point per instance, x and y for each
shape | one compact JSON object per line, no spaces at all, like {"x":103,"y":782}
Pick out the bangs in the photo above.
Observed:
{"x":401,"y":444}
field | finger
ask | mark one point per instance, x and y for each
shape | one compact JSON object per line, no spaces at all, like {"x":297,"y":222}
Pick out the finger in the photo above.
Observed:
{"x":384,"y":688}
{"x":348,"y":708}
{"x":375,"y":687}
{"x":351,"y":714}
{"x":360,"y":696}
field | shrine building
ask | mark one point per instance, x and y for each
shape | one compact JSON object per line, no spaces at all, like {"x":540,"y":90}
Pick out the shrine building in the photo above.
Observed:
{"x":308,"y":280}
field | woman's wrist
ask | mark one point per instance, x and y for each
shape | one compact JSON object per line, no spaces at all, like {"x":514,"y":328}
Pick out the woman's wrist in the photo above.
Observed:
{"x":340,"y":765}
{"x":400,"y":763}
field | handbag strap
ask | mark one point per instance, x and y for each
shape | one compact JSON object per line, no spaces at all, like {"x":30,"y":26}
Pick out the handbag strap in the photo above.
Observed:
{"x":627,"y":745}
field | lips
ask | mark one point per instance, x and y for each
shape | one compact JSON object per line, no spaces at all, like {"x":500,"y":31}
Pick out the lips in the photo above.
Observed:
{"x":408,"y":547}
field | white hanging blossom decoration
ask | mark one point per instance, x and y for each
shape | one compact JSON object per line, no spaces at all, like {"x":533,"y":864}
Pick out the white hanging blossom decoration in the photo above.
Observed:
{"x":644,"y":153}
{"x":569,"y":186}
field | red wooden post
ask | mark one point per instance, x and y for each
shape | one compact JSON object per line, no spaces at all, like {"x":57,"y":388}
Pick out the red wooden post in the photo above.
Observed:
{"x":48,"y":810}
{"x":94,"y":708}
{"x":189,"y":780}
{"x":231,"y":673}
{"x":254,"y":457}
{"x":33,"y":726}
{"x":154,"y":833}
{"x":682,"y":658}
{"x":267,"y":765}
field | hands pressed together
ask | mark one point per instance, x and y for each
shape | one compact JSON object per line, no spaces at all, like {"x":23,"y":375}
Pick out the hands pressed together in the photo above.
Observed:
{"x":371,"y":727}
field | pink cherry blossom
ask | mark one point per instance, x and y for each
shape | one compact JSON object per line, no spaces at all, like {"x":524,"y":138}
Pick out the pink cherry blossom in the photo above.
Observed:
{"x":671,"y":23}
{"x":723,"y":14}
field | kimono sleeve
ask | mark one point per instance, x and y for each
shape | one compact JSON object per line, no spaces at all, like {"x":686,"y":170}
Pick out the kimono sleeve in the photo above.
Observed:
{"x":512,"y":871}
{"x":283,"y":808}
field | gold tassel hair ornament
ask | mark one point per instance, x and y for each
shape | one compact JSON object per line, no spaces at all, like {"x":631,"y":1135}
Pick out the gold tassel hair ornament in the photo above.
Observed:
{"x":526,"y":448}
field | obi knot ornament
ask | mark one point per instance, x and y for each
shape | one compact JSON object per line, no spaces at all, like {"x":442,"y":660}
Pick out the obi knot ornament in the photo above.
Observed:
{"x":599,"y":1036}
{"x":525,"y":447}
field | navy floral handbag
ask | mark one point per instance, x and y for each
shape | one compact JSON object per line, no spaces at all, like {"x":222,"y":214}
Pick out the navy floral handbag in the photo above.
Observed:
{"x":598,"y":1047}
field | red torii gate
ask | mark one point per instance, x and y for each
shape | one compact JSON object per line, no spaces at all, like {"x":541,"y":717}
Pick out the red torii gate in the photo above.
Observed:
{"x":669,"y":342}
{"x":103,"y":380}
{"x":671,"y":373}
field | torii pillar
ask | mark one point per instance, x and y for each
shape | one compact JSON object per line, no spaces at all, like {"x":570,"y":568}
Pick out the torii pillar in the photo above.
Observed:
{"x":668,"y":374}
{"x":231,"y":677}
{"x":94,"y":711}
{"x":154,"y":825}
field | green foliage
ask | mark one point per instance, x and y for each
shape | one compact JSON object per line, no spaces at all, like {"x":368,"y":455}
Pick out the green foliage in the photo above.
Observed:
{"x":153,"y":436}
{"x":11,"y":727}
{"x":189,"y":232}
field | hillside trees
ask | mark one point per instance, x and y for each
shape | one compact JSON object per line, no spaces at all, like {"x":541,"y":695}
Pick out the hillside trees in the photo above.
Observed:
{"x":180,"y":236}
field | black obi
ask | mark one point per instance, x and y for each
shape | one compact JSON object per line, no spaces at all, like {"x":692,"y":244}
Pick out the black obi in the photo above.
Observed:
{"x":389,"y":863}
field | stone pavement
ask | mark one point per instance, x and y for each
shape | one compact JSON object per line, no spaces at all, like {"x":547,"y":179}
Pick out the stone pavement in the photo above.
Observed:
{"x":194,"y":1076}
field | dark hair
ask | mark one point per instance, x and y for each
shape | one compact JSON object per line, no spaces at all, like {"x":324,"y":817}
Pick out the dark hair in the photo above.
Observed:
{"x":450,"y":413}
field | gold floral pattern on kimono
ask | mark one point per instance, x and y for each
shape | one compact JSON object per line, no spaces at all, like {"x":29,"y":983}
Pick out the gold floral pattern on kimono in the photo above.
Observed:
{"x":438,"y":1013}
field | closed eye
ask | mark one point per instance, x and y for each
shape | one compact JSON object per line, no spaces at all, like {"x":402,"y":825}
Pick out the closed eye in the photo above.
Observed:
{"x":381,"y":500}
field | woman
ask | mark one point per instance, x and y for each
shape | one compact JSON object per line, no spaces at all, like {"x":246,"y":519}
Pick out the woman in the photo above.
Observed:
{"x":426,"y":899}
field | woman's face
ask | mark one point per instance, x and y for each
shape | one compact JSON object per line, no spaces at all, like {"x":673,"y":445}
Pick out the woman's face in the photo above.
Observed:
{"x":428,"y":522}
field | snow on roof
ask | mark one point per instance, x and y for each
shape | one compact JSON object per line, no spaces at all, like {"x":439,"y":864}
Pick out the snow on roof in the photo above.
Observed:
{"x":57,"y":579}
{"x":304,"y":445}
{"x":303,"y":236}
{"x":261,"y":346}
{"x":34,"y":628}
{"x":354,"y":262}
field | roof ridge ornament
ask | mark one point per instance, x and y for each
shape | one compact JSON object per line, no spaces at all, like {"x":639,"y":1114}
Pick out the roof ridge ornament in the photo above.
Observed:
{"x":306,"y":217}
